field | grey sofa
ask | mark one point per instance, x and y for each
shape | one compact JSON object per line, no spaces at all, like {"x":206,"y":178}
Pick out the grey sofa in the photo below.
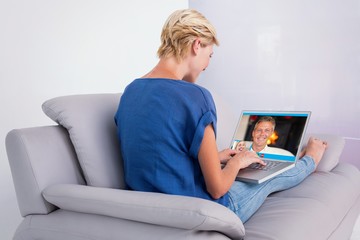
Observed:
{"x":69,"y":185}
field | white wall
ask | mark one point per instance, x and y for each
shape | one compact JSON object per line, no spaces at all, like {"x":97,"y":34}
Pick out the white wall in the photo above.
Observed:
{"x":287,"y":55}
{"x":53,"y":48}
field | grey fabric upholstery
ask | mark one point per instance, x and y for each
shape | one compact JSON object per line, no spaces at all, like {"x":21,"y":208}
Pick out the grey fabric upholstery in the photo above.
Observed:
{"x":48,"y":165}
{"x":90,"y":122}
{"x":332,"y":155}
{"x":67,"y":225}
{"x":312,"y":210}
{"x":159,"y":209}
{"x":40,"y":157}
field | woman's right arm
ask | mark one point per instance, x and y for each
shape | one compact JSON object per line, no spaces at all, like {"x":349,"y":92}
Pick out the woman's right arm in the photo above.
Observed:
{"x":218,"y":181}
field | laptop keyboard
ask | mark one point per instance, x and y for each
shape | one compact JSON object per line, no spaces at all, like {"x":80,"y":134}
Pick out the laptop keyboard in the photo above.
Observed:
{"x":269,"y":165}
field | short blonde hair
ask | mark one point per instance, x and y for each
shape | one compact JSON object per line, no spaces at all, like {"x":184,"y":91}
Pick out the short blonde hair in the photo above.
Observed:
{"x":180,"y":31}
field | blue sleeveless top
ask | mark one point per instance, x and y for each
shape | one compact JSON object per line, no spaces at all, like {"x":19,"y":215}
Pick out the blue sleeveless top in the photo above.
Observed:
{"x":160,"y":125}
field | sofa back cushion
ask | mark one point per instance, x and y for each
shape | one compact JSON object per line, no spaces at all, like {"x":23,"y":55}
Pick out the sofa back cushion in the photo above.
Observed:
{"x":89,"y":119}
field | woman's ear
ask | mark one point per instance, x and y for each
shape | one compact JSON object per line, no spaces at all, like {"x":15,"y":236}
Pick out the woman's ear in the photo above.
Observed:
{"x":196,"y":45}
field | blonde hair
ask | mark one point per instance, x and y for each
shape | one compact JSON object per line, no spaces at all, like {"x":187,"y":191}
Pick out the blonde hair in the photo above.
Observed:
{"x":180,"y":31}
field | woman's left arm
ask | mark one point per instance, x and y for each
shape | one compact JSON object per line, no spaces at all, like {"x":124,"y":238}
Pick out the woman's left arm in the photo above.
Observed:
{"x":218,"y":181}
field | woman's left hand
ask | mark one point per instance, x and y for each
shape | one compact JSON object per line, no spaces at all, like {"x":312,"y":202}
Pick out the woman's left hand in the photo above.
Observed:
{"x":226,"y":154}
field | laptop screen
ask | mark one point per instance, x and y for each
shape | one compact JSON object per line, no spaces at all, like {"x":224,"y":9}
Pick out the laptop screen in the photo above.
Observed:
{"x":273,"y":135}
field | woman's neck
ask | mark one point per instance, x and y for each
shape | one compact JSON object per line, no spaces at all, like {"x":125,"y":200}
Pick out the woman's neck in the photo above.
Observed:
{"x":167,"y":68}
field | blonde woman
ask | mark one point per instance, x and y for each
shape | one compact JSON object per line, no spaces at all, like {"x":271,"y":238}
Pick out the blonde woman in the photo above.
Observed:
{"x":241,"y":146}
{"x":175,"y":121}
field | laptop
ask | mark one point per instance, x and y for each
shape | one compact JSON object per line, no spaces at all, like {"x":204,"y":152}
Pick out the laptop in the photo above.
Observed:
{"x":276,"y":137}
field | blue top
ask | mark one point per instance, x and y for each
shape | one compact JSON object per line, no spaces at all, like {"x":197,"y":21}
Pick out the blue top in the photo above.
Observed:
{"x":160,"y":125}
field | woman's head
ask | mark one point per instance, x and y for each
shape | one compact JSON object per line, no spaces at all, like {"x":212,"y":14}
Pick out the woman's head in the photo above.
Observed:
{"x":181,"y":29}
{"x":241,"y":146}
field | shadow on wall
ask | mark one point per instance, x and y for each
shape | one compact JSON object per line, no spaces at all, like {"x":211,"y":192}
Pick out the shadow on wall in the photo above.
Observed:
{"x":226,"y":122}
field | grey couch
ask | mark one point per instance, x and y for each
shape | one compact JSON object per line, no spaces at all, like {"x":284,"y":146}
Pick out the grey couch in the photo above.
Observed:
{"x":69,"y":185}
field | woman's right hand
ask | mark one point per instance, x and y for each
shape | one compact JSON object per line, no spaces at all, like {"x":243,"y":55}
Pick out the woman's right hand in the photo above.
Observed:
{"x":245,"y":158}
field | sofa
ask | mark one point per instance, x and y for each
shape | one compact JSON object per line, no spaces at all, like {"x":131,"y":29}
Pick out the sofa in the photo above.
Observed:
{"x":69,"y":184}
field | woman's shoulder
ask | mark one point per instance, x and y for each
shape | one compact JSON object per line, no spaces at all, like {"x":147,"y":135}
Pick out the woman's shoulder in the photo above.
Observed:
{"x":179,"y":85}
{"x":170,"y":89}
{"x":193,"y":88}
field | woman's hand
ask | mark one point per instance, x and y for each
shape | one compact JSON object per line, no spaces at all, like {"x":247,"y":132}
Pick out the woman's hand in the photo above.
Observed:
{"x":242,"y":158}
{"x":226,"y":154}
{"x":245,"y":158}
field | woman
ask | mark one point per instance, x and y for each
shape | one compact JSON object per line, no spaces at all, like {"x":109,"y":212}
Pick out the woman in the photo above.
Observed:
{"x":167,"y":126}
{"x":241,"y":146}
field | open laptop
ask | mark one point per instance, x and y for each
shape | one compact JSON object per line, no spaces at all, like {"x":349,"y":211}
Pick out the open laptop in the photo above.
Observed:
{"x":280,"y":145}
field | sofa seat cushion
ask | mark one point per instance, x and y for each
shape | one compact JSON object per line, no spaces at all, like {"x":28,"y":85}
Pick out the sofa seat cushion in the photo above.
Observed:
{"x":68,"y":225}
{"x":89,"y":119}
{"x":311,"y":210}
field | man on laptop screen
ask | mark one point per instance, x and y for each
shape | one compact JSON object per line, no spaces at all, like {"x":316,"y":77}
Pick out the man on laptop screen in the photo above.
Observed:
{"x":275,"y":137}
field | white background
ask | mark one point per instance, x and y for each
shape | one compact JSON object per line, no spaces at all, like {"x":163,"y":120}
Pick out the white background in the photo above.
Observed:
{"x":53,"y":48}
{"x":287,"y":55}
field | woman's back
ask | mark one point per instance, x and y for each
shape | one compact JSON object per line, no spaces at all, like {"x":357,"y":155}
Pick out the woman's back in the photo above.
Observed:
{"x":160,"y":126}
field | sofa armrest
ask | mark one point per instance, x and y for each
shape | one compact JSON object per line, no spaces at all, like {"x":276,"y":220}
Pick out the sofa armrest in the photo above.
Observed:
{"x":331,"y":157}
{"x":40,"y":157}
{"x":153,"y":208}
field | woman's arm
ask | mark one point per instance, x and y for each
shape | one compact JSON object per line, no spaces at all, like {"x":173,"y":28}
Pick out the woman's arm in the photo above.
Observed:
{"x":218,"y":181}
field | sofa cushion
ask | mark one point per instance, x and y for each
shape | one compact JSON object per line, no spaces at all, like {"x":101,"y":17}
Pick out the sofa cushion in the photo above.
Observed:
{"x":153,"y":208}
{"x":311,"y":210}
{"x":89,"y":120}
{"x":335,"y":146}
{"x":68,"y":225}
